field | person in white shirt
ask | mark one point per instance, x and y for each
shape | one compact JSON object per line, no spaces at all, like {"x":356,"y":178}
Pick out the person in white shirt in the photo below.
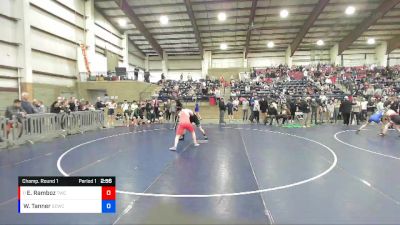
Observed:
{"x":112,"y":106}
{"x":330,"y":108}
{"x":364,"y":107}
{"x":305,"y":74}
{"x":235,"y":104}
{"x":127,"y":114}
{"x":256,"y":111}
{"x":245,"y":109}
{"x":356,"y":110}
{"x":217,"y":94}
{"x":379,"y":106}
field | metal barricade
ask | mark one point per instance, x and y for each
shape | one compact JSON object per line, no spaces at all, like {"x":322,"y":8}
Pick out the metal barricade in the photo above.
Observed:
{"x":3,"y":132}
{"x":37,"y":127}
{"x":46,"y":126}
{"x":79,"y":122}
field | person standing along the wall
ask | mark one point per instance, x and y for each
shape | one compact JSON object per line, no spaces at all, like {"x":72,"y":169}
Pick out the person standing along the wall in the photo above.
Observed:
{"x":229,"y":106}
{"x":364,"y":109}
{"x":356,"y":112}
{"x":263,"y":108}
{"x":345,"y":109}
{"x":330,"y":107}
{"x":172,"y":110}
{"x":256,"y":111}
{"x":112,"y":106}
{"x":314,"y":110}
{"x":167,"y":108}
{"x":26,"y":104}
{"x":197,"y":109}
{"x":222,"y":108}
{"x":336,"y":110}
{"x":245,"y":109}
{"x":305,"y":108}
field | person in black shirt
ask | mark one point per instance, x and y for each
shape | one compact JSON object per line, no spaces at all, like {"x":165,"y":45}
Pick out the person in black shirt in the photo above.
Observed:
{"x":345,"y":109}
{"x":229,"y":106}
{"x":72,"y":104}
{"x":99,"y":104}
{"x":162,"y":77}
{"x":272,"y":114}
{"x":263,"y":108}
{"x":305,"y":107}
{"x":222,"y":109}
{"x":148,"y":110}
{"x":55,"y":107}
{"x":292,"y":108}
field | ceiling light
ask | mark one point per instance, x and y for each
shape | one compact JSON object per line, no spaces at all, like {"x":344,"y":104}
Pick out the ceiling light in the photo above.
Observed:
{"x":122,"y":22}
{"x":164,"y":20}
{"x":270,"y":44}
{"x":371,"y":41}
{"x":221,"y":16}
{"x":284,"y":13}
{"x":350,"y":10}
{"x":320,"y":42}
{"x":223,"y":46}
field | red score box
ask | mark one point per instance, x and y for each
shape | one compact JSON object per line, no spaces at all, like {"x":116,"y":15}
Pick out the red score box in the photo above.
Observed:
{"x":108,"y":193}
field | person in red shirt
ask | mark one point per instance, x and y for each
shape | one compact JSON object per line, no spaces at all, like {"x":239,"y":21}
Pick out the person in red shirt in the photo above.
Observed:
{"x":183,"y":125}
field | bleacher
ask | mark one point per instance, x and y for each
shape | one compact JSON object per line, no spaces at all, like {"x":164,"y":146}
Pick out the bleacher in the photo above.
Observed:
{"x":294,"y":88}
{"x":188,"y":90}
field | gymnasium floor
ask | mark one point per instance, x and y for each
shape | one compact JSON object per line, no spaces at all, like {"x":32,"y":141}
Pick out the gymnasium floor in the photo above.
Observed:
{"x":245,"y":174}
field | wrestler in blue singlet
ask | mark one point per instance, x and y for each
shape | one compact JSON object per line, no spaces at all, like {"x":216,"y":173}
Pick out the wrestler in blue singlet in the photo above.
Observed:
{"x":376,"y":117}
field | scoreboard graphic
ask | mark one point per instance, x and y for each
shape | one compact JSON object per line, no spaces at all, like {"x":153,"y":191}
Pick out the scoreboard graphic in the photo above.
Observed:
{"x":66,"y":195}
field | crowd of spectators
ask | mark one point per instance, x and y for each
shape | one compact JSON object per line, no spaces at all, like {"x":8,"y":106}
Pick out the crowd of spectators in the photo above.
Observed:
{"x":188,"y":90}
{"x":308,"y":93}
{"x":316,"y":95}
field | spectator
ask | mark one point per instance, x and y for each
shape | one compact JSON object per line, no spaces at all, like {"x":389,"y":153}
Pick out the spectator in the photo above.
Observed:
{"x":256,"y":111}
{"x":263,"y":108}
{"x":356,"y":112}
{"x":229,"y":106}
{"x":345,"y":109}
{"x":380,"y":106}
{"x":272,"y":114}
{"x":330,"y":107}
{"x":15,"y":110}
{"x":222,"y":108}
{"x":364,"y":109}
{"x":99,"y":104}
{"x":293,"y":109}
{"x":26,"y":105}
{"x":305,"y":108}
{"x":245,"y":109}
{"x":173,"y":110}
{"x":336,"y":110}
{"x":314,"y":110}
{"x":167,"y":108}
{"x":56,"y":106}
{"x":126,"y":112}
{"x":112,"y":106}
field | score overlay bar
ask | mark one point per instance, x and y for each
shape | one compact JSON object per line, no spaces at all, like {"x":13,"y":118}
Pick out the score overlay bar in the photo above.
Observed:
{"x":66,"y":195}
